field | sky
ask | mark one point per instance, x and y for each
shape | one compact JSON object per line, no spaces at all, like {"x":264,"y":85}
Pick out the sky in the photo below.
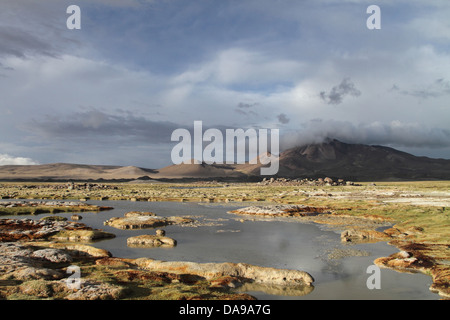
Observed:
{"x":113,"y":91}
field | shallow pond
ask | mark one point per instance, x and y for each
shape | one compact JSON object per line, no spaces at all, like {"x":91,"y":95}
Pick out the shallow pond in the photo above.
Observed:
{"x":282,"y":243}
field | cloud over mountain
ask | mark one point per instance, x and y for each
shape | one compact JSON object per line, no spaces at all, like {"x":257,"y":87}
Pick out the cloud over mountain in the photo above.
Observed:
{"x":395,"y":133}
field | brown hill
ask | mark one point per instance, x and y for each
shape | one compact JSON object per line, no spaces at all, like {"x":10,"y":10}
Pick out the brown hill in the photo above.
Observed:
{"x":198,"y":170}
{"x":355,"y":162}
{"x":334,"y":159}
{"x":67,"y":171}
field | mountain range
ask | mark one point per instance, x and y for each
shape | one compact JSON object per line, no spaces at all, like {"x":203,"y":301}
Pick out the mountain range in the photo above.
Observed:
{"x":332,"y":159}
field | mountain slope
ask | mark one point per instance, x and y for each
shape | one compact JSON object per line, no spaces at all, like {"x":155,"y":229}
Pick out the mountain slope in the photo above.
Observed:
{"x":198,"y":170}
{"x":357,"y":162}
{"x":333,"y":158}
{"x":67,"y":171}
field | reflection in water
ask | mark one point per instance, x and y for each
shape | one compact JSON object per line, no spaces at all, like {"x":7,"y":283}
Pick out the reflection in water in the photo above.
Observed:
{"x":276,"y":290}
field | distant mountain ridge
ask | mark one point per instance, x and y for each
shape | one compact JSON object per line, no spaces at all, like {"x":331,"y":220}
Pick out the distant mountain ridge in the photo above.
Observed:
{"x":358,"y":162}
{"x":67,"y":171}
{"x":334,"y":159}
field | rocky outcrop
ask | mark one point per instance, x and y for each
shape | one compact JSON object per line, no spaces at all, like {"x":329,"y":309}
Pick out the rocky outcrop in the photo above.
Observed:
{"x":52,"y":255}
{"x":35,"y":270}
{"x":148,"y":241}
{"x":95,"y":290}
{"x":29,"y":229}
{"x":81,"y":235}
{"x":62,"y":230}
{"x":77,"y":250}
{"x":21,"y":263}
{"x":143,"y":220}
{"x":282,"y":210}
{"x":241,"y":271}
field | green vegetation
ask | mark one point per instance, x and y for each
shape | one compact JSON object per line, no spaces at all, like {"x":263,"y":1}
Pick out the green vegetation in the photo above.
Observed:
{"x":34,"y":210}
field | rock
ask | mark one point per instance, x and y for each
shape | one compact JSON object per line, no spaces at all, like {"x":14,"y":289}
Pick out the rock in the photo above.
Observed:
{"x":81,"y":235}
{"x":28,"y":229}
{"x":160,"y":232}
{"x":138,"y":214}
{"x":142,"y":221}
{"x":16,"y":263}
{"x":151,"y":241}
{"x":75,"y":249}
{"x":282,"y":210}
{"x":28,"y":273}
{"x":76,"y":217}
{"x":92,"y":290}
{"x":52,"y":255}
{"x":244,"y":271}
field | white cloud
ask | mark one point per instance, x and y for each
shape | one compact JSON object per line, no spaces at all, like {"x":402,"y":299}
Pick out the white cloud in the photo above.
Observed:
{"x":6,"y":159}
{"x":395,"y":133}
{"x":276,"y":57}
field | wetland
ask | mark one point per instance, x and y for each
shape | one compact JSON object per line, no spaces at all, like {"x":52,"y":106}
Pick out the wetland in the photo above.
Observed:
{"x":353,"y":228}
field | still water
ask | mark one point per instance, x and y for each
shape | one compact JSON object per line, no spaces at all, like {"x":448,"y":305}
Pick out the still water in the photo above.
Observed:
{"x":282,"y":243}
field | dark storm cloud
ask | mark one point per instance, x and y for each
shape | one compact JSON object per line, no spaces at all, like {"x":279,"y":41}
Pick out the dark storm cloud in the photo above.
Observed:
{"x":337,"y":93}
{"x":95,"y":126}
